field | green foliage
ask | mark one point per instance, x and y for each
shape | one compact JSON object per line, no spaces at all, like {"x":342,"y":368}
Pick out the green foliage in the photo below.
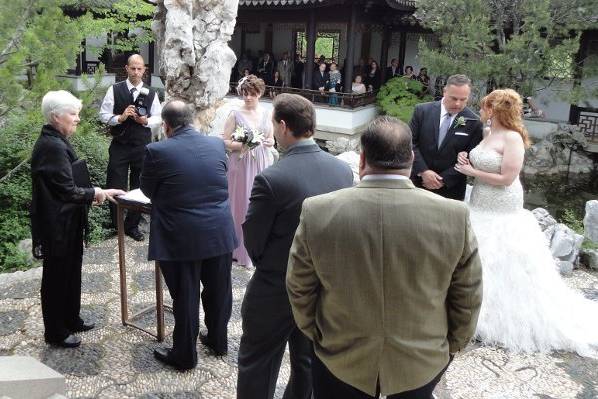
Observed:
{"x":505,"y":43}
{"x":573,"y":220}
{"x":128,"y":21}
{"x":39,"y":42}
{"x":399,"y":96}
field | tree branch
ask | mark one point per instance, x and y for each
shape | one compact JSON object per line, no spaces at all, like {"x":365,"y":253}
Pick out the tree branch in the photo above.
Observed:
{"x":18,"y":35}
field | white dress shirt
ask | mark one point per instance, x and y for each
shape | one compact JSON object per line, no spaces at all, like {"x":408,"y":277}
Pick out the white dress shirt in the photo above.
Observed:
{"x":443,"y":113}
{"x":384,"y":176}
{"x":108,"y":117}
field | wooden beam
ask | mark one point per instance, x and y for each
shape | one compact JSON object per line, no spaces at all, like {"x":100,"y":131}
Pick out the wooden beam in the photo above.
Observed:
{"x":386,"y":37}
{"x":310,"y":35}
{"x":350,"y":55}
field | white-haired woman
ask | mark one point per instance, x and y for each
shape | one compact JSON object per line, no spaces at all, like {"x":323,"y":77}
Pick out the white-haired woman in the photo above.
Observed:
{"x":59,"y":207}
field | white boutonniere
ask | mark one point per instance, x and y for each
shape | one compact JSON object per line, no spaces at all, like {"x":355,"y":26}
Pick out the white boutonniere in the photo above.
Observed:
{"x":460,"y":121}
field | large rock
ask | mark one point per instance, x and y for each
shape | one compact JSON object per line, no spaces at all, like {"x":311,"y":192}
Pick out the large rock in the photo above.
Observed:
{"x":546,"y":222}
{"x":342,"y":144}
{"x":565,"y":244}
{"x":192,"y":38}
{"x":590,"y":221}
{"x":589,"y":257}
{"x":352,"y":158}
{"x":559,"y":152}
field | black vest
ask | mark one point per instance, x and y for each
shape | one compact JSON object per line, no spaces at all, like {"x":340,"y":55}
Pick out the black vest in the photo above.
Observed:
{"x":130,"y":132}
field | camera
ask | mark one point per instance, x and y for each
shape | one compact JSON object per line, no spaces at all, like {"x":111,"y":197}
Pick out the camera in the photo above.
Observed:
{"x":141,"y":106}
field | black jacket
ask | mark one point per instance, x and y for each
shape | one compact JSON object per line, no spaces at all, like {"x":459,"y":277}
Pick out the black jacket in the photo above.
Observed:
{"x":424,"y":127}
{"x":320,"y":80}
{"x":276,"y":200}
{"x":58,"y":207}
{"x":185,"y":178}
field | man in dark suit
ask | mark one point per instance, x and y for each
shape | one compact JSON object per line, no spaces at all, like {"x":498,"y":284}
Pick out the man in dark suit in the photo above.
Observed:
{"x":273,"y":216}
{"x":393,"y":70}
{"x":191,"y":232}
{"x":441,"y":130}
{"x":321,"y":78}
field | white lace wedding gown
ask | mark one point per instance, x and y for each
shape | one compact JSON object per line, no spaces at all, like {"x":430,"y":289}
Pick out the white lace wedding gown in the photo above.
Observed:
{"x":526,"y":306}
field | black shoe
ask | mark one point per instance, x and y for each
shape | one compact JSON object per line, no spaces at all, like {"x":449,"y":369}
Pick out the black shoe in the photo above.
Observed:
{"x":71,"y":341}
{"x":83,"y":327}
{"x":203,"y":338}
{"x":136,"y":235}
{"x":163,"y":355}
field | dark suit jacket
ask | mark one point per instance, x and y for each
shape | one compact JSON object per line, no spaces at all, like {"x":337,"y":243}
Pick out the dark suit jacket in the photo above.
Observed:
{"x":389,"y":75}
{"x":58,"y":207}
{"x":424,"y":126}
{"x":185,"y":178}
{"x":276,"y":199}
{"x":320,"y":81}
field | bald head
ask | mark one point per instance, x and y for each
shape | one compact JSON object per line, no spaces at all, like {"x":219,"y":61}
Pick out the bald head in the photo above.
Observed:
{"x":175,"y":114}
{"x":386,"y":145}
{"x":135,"y":69}
{"x":135,"y":58}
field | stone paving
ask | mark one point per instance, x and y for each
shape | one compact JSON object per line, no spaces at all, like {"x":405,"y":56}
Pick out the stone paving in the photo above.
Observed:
{"x":117,"y":362}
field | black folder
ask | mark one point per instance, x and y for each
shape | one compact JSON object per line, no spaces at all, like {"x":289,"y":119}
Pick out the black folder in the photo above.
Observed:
{"x":81,"y":173}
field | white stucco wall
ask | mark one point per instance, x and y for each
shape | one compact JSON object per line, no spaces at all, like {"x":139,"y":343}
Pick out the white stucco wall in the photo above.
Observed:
{"x":330,"y":122}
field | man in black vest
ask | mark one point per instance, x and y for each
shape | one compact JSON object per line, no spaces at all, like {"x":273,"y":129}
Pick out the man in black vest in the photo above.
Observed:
{"x":131,"y":109}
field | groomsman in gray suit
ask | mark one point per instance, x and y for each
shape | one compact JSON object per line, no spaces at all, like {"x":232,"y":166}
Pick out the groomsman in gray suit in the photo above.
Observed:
{"x":304,"y":170}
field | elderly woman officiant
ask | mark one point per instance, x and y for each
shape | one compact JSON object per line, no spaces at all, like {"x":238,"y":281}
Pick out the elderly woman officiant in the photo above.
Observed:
{"x":61,"y":196}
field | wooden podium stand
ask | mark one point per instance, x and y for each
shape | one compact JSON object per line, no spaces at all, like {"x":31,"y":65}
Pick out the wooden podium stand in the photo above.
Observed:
{"x":127,"y":320}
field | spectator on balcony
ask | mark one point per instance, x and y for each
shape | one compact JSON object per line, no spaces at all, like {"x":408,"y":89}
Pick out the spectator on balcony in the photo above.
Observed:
{"x":424,"y":79}
{"x":265,"y":69}
{"x":285,"y":69}
{"x":321,"y":78}
{"x":334,"y":83}
{"x":277,"y":85}
{"x":358,"y":87}
{"x":409,"y":74}
{"x":373,"y":78}
{"x":393,"y":70}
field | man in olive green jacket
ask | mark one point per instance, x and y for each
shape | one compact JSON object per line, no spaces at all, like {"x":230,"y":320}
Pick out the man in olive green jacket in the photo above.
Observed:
{"x":384,"y":278}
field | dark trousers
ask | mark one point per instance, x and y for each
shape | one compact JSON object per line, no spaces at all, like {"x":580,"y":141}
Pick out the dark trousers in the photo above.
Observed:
{"x":327,"y":386}
{"x":61,"y":293}
{"x":124,"y":166}
{"x":183,"y":280}
{"x":268,"y":325}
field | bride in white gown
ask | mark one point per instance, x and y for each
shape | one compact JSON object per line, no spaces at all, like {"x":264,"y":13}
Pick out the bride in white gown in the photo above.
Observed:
{"x":527,"y":306}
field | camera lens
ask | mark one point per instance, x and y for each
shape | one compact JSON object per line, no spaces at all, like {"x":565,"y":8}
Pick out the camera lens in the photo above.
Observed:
{"x":141,"y":111}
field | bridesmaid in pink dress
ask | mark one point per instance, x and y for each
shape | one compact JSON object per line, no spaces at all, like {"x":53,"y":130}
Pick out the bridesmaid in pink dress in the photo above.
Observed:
{"x":244,"y":166}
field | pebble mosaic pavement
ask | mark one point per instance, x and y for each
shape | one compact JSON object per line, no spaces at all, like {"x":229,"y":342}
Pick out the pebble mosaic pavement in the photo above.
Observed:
{"x":117,"y":362}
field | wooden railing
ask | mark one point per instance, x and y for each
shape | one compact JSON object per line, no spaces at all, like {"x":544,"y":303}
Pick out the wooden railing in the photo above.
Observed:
{"x":334,"y":99}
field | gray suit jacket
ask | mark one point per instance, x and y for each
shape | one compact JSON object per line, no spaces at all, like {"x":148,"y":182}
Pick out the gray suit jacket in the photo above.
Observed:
{"x":385,"y":278}
{"x":275,"y":203}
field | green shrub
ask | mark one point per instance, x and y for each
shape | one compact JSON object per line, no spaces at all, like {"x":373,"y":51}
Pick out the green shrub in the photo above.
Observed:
{"x":399,"y":96}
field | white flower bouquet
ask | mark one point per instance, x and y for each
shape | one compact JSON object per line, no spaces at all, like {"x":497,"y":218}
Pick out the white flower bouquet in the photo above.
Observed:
{"x":249,"y":138}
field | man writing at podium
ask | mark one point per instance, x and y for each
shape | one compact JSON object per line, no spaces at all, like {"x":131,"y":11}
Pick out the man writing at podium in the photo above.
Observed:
{"x":191,"y":232}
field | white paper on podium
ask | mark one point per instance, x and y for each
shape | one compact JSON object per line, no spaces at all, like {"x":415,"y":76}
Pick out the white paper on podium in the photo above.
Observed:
{"x":136,"y":196}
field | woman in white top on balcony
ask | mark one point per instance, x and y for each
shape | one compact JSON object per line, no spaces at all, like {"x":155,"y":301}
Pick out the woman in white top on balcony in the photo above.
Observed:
{"x":358,"y":87}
